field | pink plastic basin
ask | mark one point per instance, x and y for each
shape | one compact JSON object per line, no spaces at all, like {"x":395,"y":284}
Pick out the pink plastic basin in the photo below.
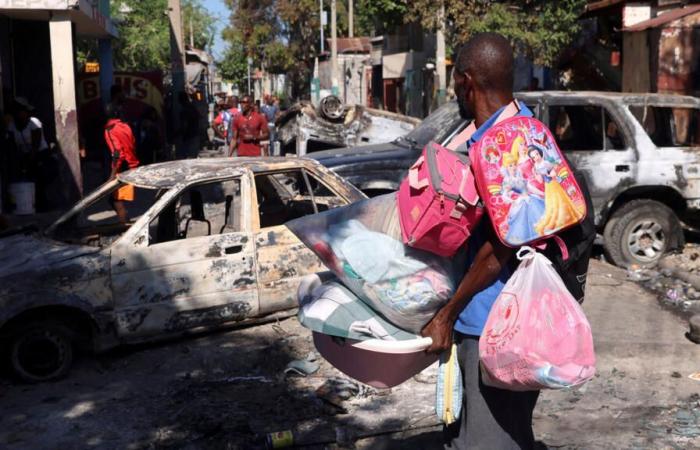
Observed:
{"x":376,"y":362}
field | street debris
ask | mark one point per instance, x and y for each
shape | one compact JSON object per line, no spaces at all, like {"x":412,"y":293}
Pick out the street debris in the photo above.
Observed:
{"x":694,"y":376}
{"x":303,"y":367}
{"x":675,"y":280}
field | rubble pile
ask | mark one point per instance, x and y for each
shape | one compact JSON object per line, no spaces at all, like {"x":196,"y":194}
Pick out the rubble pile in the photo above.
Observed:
{"x":676,"y":279}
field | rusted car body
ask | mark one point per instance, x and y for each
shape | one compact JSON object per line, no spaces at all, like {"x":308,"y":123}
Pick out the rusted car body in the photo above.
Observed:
{"x":304,"y":129}
{"x":639,"y":153}
{"x":206,"y":246}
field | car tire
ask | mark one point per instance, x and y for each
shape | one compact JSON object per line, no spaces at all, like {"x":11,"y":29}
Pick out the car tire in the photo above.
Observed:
{"x":640,"y":232}
{"x":41,"y":351}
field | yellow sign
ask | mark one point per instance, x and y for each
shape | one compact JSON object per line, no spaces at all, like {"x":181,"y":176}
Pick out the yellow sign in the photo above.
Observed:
{"x":92,"y":67}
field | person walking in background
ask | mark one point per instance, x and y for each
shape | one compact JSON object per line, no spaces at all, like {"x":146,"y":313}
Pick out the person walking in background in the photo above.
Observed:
{"x":222,"y":122}
{"x":122,"y":146}
{"x":189,"y":126}
{"x":33,"y":155}
{"x":271,"y":112}
{"x":149,"y":139}
{"x":248,"y":129}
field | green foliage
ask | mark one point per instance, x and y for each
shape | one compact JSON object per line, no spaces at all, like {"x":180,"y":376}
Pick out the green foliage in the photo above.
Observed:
{"x":233,"y":66}
{"x":540,"y":29}
{"x":144,"y":40}
{"x":377,"y":17}
{"x":144,"y":32}
{"x":279,"y":35}
{"x":203,"y":28}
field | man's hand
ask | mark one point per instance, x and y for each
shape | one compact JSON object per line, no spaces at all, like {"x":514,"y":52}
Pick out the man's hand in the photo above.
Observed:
{"x":439,"y":329}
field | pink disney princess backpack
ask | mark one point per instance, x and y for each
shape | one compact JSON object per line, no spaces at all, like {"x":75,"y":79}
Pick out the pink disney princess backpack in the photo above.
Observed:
{"x":527,"y":186}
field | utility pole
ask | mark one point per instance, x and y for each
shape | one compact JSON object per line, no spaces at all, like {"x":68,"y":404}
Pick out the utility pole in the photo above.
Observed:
{"x":322,"y":22}
{"x":250,"y":64}
{"x":334,"y":51}
{"x":351,"y":30}
{"x":440,"y":58}
{"x":191,"y":33}
{"x":177,"y":63}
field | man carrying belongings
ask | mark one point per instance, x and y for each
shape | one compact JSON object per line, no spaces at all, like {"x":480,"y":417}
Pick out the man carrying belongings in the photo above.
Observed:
{"x":491,"y":418}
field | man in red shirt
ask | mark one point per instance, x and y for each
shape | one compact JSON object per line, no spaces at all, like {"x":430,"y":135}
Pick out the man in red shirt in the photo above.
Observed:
{"x":249,"y":128}
{"x":122,"y":145}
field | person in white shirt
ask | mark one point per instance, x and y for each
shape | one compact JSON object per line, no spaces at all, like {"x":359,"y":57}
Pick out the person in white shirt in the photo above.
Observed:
{"x":35,"y":162}
{"x":27,"y":130}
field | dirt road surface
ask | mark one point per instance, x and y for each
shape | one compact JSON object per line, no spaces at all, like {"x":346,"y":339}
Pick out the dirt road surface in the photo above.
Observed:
{"x":223,"y":389}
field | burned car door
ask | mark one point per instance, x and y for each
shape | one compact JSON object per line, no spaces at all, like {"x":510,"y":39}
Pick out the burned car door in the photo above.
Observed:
{"x":281,"y":258}
{"x":192,"y":264}
{"x":597,"y":142}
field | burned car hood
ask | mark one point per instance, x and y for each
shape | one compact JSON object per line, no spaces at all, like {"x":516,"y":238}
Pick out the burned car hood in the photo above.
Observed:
{"x":33,"y":252}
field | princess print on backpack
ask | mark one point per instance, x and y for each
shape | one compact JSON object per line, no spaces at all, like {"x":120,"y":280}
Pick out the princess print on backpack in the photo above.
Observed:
{"x":526,"y":184}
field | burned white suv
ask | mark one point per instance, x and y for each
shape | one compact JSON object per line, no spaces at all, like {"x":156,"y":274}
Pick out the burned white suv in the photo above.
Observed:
{"x":640,"y":154}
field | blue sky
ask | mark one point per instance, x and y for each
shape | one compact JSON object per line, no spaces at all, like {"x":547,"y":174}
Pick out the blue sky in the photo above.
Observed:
{"x":219,"y":10}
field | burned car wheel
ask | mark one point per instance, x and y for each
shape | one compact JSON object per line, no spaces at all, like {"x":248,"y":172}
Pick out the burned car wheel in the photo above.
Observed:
{"x":41,"y":351}
{"x":640,"y":232}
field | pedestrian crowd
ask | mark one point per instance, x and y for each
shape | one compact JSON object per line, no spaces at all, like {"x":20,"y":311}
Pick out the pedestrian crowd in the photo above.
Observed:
{"x":246,"y":127}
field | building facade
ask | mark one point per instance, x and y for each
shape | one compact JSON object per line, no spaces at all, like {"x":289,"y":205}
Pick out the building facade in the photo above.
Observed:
{"x":37,"y":62}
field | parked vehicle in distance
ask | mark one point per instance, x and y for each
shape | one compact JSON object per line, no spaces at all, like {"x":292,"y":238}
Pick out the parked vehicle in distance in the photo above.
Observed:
{"x":640,"y":154}
{"x":206,"y":246}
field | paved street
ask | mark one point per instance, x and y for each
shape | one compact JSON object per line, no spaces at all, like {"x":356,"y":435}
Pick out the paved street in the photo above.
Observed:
{"x":221,"y":390}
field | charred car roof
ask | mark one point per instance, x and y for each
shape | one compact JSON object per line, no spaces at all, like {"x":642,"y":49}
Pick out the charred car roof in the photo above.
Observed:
{"x":624,"y":97}
{"x":168,"y":174}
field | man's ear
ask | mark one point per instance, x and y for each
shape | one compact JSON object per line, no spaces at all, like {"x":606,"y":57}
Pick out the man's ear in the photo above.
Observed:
{"x":468,"y":81}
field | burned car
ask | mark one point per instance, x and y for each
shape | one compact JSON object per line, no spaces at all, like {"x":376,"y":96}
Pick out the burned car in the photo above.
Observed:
{"x":640,"y":154}
{"x":205,"y":245}
{"x":304,"y":129}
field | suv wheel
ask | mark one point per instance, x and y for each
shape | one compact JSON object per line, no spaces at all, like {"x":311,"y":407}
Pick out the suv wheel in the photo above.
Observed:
{"x":41,"y":351}
{"x":640,"y":232}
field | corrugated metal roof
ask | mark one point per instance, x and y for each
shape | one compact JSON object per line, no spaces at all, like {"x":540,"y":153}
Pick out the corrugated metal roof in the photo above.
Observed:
{"x":665,"y":18}
{"x":355,"y":44}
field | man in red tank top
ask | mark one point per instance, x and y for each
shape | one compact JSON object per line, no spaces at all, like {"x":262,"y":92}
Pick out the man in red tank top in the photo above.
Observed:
{"x":249,"y":128}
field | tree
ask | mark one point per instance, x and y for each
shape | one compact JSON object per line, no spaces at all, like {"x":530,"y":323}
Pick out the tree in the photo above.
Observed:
{"x":377,"y":17}
{"x":539,"y":29}
{"x":233,"y":66}
{"x":144,"y":32}
{"x":203,"y":28}
{"x":144,"y":39}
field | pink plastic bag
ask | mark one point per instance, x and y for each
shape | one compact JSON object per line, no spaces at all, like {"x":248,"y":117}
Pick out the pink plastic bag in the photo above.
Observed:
{"x":536,"y":335}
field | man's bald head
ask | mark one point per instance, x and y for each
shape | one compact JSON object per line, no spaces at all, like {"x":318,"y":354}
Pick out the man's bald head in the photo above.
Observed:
{"x":488,"y":58}
{"x":483,"y":75}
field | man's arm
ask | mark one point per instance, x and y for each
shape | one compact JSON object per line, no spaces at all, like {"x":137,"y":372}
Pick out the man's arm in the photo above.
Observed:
{"x":491,"y":258}
{"x":234,"y":141}
{"x":264,"y":130}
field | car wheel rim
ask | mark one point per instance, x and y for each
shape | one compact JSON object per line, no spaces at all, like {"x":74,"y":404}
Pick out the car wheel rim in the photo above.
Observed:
{"x":646,"y":240}
{"x":41,"y":354}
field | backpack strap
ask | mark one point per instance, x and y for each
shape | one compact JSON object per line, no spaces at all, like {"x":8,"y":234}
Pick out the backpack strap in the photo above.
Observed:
{"x":560,"y":243}
{"x":413,"y":180}
{"x":509,"y":111}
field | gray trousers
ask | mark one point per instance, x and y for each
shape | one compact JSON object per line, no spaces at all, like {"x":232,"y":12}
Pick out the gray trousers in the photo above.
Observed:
{"x":491,"y":418}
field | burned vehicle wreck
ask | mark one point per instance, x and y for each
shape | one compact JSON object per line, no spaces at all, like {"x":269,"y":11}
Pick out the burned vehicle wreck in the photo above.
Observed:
{"x":205,"y":246}
{"x":639,"y":153}
{"x":304,"y":129}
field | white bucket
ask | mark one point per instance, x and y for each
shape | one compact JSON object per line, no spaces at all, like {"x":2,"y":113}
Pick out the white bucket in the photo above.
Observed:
{"x":22,"y":195}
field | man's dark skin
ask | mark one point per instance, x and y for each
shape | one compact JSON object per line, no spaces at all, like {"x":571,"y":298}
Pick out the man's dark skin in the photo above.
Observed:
{"x":481,"y":91}
{"x":246,"y":109}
